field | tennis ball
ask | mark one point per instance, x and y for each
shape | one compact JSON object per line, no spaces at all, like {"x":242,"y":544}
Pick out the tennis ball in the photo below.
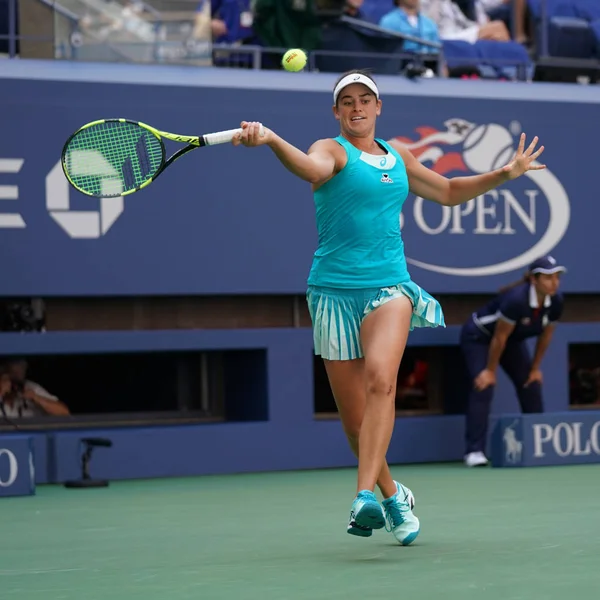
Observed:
{"x":294,"y":60}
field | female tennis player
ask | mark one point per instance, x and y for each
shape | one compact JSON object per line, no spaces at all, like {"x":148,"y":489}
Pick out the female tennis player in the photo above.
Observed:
{"x":495,"y":335}
{"x":361,"y":298}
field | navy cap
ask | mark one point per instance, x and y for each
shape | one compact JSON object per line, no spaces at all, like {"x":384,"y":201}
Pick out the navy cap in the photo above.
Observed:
{"x":546,"y":265}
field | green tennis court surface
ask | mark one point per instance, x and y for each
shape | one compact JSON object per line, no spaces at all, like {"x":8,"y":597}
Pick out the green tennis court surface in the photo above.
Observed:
{"x":496,"y":534}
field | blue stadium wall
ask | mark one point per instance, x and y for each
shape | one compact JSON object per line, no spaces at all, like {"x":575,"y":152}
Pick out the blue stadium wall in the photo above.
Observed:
{"x":228,"y":220}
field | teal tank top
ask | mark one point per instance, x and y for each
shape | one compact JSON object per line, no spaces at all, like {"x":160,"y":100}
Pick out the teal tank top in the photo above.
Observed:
{"x":358,"y":222}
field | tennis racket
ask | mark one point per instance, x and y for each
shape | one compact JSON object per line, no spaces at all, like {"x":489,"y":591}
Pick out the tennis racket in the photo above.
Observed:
{"x":117,"y":157}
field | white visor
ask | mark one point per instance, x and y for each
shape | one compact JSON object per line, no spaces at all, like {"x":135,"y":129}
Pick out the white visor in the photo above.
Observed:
{"x":354,"y":78}
{"x":550,"y":271}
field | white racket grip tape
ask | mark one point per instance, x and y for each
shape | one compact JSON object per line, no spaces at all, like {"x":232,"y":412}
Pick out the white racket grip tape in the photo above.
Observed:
{"x":224,"y":137}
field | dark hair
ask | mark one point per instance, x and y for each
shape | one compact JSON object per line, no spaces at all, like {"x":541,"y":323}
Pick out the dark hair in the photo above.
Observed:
{"x":365,"y":72}
{"x":514,"y":284}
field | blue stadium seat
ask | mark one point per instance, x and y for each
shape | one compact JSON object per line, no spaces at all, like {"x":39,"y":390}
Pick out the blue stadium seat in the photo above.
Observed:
{"x":373,"y":10}
{"x":570,"y":37}
{"x":492,"y":59}
{"x":554,"y":8}
{"x":343,"y":37}
{"x":459,"y":54}
{"x":568,"y":26}
{"x":595,"y":28}
{"x":507,"y":59}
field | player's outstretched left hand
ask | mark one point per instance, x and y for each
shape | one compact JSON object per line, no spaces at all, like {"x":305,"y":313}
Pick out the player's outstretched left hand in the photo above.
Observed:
{"x":253,"y":134}
{"x":524,"y":160}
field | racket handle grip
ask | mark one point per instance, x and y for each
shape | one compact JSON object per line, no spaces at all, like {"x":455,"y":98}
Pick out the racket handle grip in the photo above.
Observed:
{"x":224,"y":137}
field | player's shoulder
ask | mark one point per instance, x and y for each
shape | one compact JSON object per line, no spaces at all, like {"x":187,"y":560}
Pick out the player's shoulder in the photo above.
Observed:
{"x":330,"y":144}
{"x":518,"y":294}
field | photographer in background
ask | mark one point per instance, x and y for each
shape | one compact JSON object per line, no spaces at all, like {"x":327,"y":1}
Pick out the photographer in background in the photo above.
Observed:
{"x":22,"y":398}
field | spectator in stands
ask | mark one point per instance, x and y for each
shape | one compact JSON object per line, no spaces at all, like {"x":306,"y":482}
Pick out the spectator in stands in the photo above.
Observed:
{"x":287,"y":23}
{"x":517,"y":7}
{"x":231,"y":23}
{"x":496,"y":335}
{"x":407,"y":18}
{"x":204,"y":25}
{"x":454,"y":25}
{"x":21,"y":398}
{"x":352,"y":8}
{"x":230,"y":20}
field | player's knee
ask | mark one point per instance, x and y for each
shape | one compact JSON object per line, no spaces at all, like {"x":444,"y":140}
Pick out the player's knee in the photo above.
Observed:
{"x":380,"y":385}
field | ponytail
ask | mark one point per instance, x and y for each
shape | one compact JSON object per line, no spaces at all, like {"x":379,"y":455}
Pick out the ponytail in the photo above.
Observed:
{"x":514,"y":284}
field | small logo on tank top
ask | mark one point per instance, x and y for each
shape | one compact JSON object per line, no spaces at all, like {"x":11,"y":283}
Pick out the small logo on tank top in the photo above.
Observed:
{"x":385,"y":178}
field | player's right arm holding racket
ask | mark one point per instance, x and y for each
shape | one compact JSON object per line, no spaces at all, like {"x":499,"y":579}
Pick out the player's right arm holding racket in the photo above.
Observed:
{"x":324,"y":158}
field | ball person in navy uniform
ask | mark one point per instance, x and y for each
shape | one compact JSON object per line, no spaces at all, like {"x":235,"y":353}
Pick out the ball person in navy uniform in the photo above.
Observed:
{"x":496,"y":336}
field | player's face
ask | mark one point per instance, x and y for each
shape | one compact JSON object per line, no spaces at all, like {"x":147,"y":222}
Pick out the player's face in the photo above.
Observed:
{"x":357,"y":109}
{"x":547,"y":285}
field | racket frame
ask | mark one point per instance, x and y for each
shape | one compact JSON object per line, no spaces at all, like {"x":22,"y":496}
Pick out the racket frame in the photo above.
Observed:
{"x":193,"y":142}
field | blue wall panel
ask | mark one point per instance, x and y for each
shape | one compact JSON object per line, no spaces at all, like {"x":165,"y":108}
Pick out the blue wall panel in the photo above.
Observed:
{"x":232,"y":220}
{"x":292,"y":438}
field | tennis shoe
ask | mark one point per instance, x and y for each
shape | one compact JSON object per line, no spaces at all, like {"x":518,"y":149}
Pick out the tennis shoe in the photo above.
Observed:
{"x":366,"y":514}
{"x":399,"y":515}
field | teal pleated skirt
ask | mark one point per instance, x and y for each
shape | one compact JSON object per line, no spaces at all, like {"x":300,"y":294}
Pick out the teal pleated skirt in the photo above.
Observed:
{"x":337,"y":315}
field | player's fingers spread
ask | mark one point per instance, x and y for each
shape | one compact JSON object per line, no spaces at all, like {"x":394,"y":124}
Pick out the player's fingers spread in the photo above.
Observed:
{"x":539,"y":151}
{"x":532,"y":145}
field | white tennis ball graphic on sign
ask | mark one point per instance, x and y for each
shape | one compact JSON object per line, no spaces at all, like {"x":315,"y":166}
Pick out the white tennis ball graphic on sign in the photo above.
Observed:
{"x":488,"y":147}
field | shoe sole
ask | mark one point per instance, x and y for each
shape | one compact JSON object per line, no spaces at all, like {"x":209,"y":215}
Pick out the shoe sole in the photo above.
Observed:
{"x":410,"y":538}
{"x":360,"y":532}
{"x":370,"y":516}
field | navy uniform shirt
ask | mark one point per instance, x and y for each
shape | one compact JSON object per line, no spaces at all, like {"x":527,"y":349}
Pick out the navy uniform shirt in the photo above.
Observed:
{"x":519,"y":306}
{"x":237,"y":15}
